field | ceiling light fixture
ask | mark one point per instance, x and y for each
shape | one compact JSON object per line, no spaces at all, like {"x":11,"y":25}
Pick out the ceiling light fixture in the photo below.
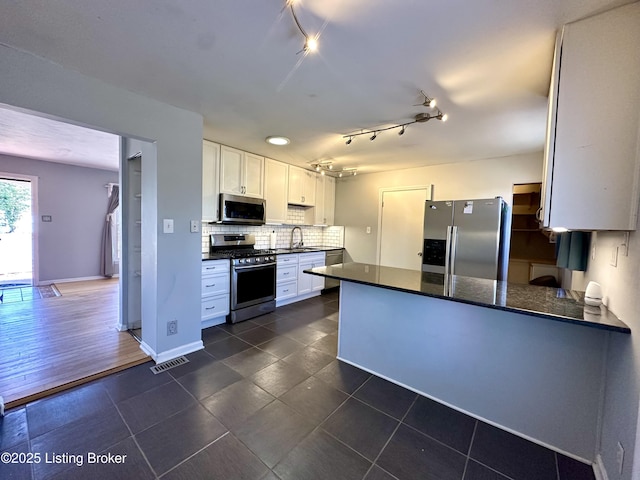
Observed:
{"x":419,"y":118}
{"x":326,"y":167}
{"x":277,"y":140}
{"x":310,"y":43}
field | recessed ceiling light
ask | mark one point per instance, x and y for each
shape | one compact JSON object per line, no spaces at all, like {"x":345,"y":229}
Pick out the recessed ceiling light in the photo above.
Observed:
{"x":278,"y":140}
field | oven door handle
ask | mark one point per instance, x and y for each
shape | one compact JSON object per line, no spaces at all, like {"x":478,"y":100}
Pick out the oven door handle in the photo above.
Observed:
{"x":254,"y":266}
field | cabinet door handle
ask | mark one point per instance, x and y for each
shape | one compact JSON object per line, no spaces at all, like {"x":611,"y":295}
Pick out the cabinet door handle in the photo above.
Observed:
{"x":539,"y":214}
{"x":209,"y":308}
{"x":286,"y":273}
{"x":209,"y":286}
{"x":210,"y":268}
{"x":285,"y":290}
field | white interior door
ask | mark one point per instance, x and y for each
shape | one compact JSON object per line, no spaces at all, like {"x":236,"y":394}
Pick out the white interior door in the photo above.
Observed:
{"x":401,"y":225}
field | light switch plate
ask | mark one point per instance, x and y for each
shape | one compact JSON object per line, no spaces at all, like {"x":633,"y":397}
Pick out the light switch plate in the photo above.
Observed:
{"x":167,"y":225}
{"x":195,"y":226}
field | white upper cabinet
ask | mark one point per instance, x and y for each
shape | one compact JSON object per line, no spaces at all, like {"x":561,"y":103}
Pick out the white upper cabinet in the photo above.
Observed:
{"x":302,"y":186}
{"x":325,"y":200}
{"x":210,"y":189}
{"x":241,"y":173}
{"x":592,"y":154}
{"x":276,"y":187}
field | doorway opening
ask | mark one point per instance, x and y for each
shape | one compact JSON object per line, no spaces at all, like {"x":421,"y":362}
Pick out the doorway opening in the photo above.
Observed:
{"x":532,"y":256}
{"x":17,"y":239}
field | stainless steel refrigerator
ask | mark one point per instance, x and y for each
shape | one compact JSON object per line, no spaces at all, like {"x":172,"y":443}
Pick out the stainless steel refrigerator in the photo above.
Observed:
{"x":466,"y":237}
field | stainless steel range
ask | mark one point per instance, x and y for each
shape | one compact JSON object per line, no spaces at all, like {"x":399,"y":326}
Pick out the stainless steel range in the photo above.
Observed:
{"x":253,"y":275}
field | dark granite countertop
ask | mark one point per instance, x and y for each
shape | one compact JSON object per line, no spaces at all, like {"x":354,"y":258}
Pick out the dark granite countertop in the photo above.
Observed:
{"x":277,"y":251}
{"x":542,"y":302}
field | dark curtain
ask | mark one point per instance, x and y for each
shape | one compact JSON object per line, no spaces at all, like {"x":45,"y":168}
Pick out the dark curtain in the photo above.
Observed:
{"x":106,"y":263}
{"x":572,"y":250}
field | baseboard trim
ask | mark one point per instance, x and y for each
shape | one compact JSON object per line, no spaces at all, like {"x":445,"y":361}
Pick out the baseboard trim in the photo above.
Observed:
{"x":173,"y":353}
{"x":42,"y":283}
{"x":599,"y":469}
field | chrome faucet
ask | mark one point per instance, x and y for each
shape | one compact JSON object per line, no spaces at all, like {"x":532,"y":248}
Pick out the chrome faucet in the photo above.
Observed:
{"x":298,"y":244}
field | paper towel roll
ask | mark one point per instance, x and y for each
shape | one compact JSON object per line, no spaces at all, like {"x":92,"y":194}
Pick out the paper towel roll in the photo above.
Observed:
{"x":272,"y":240}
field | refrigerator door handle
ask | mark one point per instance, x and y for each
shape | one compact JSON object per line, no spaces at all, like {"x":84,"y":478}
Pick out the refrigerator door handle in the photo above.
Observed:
{"x":454,"y":244}
{"x":447,"y":252}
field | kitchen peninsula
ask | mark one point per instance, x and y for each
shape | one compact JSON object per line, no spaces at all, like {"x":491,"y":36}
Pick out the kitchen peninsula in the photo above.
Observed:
{"x":524,"y":358}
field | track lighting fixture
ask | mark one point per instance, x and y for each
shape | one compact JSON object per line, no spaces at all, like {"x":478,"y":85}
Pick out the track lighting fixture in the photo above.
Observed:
{"x":310,"y":43}
{"x":326,"y":166}
{"x":419,"y":118}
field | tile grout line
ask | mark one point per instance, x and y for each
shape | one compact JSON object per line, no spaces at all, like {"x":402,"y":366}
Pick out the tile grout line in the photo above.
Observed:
{"x":133,"y":437}
{"x":195,"y":453}
{"x":466,"y":461}
{"x":401,"y":422}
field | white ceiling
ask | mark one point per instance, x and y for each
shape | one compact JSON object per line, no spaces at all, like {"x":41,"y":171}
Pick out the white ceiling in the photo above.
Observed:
{"x":488,"y":62}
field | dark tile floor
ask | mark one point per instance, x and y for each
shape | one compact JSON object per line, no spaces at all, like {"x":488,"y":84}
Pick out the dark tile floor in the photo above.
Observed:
{"x":265,"y":399}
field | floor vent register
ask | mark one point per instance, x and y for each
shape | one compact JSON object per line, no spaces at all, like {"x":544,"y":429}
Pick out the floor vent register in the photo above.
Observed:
{"x":164,"y":366}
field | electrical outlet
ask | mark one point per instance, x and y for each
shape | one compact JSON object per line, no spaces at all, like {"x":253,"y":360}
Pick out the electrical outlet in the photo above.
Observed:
{"x":195,"y":226}
{"x":172,"y":327}
{"x":620,"y":458}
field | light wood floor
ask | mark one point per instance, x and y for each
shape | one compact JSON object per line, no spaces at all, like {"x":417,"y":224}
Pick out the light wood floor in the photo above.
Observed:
{"x":51,"y":344}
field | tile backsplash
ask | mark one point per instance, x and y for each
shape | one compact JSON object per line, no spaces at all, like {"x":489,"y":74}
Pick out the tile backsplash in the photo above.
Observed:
{"x":313,"y":236}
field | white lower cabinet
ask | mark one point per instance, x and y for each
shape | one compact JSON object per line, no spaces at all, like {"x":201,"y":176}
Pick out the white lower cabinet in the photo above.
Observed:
{"x":292,"y":284}
{"x":286,"y":278}
{"x":310,"y":283}
{"x":215,"y":292}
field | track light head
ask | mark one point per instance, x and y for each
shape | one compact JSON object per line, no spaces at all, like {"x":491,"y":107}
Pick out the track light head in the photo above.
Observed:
{"x":310,"y":44}
{"x":373,"y":137}
{"x":340,"y":174}
{"x":348,"y":142}
{"x":401,"y":132}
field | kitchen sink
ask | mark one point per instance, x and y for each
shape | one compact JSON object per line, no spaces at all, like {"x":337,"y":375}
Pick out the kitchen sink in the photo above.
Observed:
{"x":300,"y":249}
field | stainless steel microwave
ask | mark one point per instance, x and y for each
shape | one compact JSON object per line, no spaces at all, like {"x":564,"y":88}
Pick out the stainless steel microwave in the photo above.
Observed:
{"x":238,"y":210}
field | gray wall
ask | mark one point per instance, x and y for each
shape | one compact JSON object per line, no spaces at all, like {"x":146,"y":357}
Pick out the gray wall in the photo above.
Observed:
{"x":37,"y":85}
{"x":76,"y":199}
{"x":622,"y":390}
{"x":536,"y":377}
{"x":357,"y":198}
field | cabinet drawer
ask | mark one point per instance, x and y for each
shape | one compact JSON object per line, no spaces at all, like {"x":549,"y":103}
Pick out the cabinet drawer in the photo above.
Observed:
{"x":286,"y":273}
{"x":215,"y":266}
{"x":289,"y":259}
{"x":286,"y":290}
{"x":215,"y":284}
{"x":215,"y":307}
{"x":316,"y":258}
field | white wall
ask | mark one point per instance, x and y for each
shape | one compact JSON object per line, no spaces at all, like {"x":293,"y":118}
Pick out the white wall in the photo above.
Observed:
{"x":38,"y":85}
{"x":622,"y":390}
{"x":357,"y":197}
{"x":75,"y":197}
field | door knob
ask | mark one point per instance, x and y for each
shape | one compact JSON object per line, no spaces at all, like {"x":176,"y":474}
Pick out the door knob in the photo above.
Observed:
{"x":419,"y":254}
